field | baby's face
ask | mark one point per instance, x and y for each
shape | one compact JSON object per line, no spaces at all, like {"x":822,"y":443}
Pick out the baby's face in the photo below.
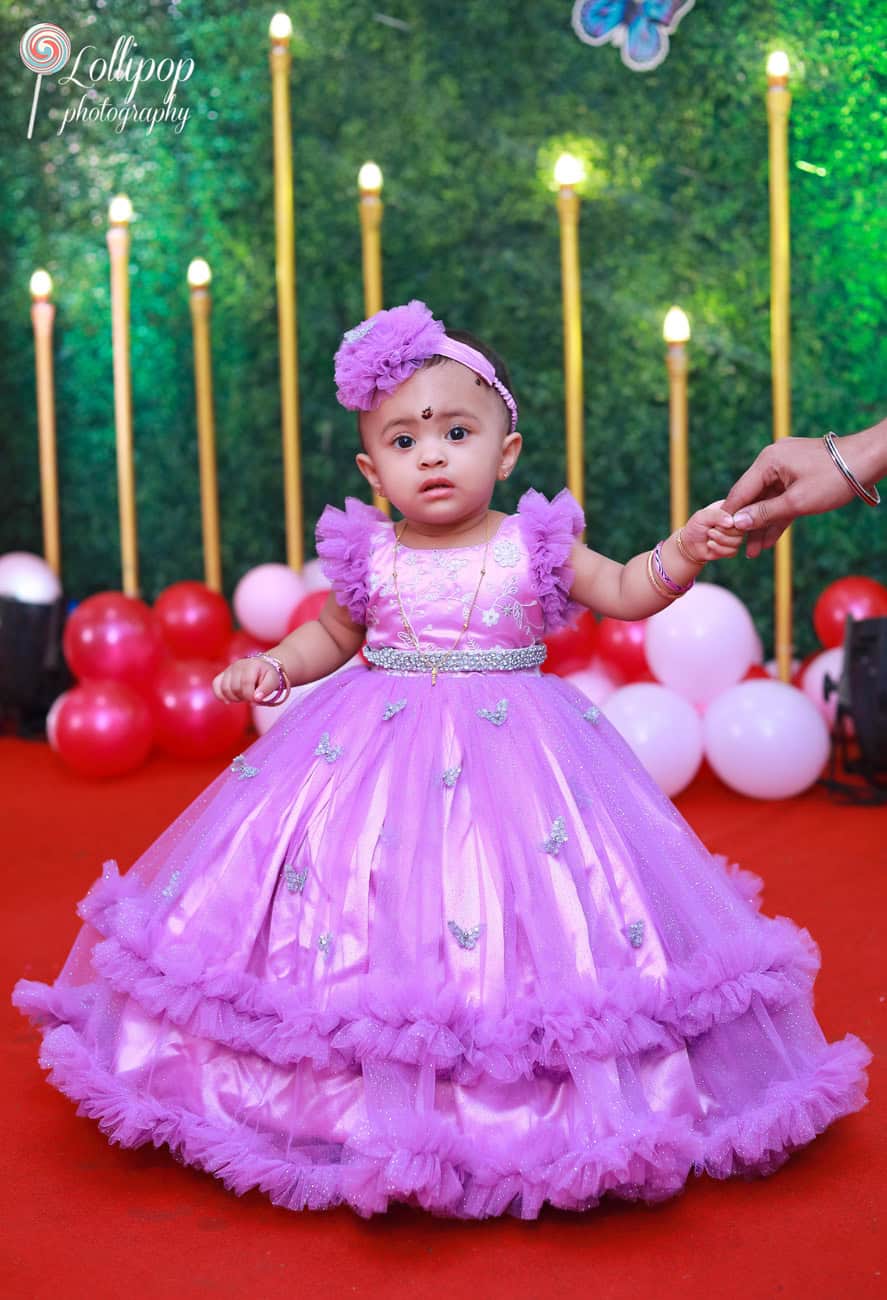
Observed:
{"x":443,"y":422}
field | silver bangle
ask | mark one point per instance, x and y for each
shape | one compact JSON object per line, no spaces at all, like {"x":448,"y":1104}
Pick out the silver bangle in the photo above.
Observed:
{"x":871,"y":496}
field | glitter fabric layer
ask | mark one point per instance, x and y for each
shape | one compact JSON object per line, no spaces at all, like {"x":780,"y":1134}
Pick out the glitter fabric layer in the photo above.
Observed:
{"x":448,"y":945}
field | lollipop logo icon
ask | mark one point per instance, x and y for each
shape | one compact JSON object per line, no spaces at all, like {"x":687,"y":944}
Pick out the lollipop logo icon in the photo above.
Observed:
{"x":44,"y":49}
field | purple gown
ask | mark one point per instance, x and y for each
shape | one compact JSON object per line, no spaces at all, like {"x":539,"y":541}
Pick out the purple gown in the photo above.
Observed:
{"x":444,"y":944}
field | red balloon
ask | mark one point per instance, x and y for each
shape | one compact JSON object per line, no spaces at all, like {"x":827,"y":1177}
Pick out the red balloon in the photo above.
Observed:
{"x":857,"y":596}
{"x":113,"y":637}
{"x":756,"y":671}
{"x":308,"y":607}
{"x":571,"y":648}
{"x":242,"y":644}
{"x":622,"y":643}
{"x":195,"y":622}
{"x":190,"y":722}
{"x":103,"y":729}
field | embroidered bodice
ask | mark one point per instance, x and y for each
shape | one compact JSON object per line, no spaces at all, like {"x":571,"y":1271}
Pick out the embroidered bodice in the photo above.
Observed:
{"x":524,"y":593}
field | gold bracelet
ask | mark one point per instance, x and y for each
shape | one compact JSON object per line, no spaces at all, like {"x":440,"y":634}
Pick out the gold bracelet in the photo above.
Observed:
{"x":657,"y":586}
{"x":679,"y":542}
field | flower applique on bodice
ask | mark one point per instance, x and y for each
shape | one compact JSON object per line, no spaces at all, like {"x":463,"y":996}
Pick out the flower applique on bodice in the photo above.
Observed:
{"x":437,"y":586}
{"x":524,"y":593}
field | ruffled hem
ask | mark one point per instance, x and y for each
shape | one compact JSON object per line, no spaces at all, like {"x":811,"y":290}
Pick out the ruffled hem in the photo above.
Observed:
{"x":549,"y":530}
{"x":342,"y":545}
{"x":622,"y":1014}
{"x":426,"y":1163}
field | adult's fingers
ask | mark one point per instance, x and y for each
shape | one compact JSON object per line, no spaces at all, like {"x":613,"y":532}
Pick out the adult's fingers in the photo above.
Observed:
{"x":768,"y":512}
{"x":749,"y":487}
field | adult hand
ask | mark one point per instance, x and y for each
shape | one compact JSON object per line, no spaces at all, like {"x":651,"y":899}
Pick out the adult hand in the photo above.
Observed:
{"x":797,"y":476}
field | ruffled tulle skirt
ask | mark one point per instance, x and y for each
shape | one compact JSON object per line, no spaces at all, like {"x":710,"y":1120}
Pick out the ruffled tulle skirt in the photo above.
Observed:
{"x":445,"y":945}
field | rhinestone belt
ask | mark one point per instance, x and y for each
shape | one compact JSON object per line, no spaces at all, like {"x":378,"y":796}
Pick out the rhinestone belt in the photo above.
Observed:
{"x":470,"y":661}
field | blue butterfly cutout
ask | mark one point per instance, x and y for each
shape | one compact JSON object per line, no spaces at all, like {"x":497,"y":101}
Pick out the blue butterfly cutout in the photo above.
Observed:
{"x":640,"y":27}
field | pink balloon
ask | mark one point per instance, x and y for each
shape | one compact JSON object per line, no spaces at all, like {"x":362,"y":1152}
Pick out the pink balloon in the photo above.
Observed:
{"x":265,"y":597}
{"x":28,"y":578}
{"x":765,"y":739}
{"x":195,"y":622}
{"x":113,"y":637}
{"x":663,"y":729}
{"x":831,"y":662}
{"x":103,"y":729}
{"x":314,"y":578}
{"x":190,"y":721}
{"x":598,"y":681}
{"x":702,"y":643}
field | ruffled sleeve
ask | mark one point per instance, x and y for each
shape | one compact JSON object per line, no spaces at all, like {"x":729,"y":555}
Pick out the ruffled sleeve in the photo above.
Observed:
{"x":549,"y":529}
{"x":342,"y":540}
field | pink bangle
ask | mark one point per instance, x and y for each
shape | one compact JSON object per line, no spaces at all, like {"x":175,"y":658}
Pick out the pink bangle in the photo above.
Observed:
{"x":660,"y":570}
{"x":284,"y":686}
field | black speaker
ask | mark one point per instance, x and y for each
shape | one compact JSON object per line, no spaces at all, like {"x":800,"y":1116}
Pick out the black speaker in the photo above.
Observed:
{"x":32,"y":665}
{"x":862,"y":698}
{"x":864,"y":685}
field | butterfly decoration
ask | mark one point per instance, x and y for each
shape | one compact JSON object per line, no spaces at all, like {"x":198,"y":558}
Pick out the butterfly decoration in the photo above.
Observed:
{"x":465,"y":938}
{"x":243,"y":769}
{"x":640,"y":28}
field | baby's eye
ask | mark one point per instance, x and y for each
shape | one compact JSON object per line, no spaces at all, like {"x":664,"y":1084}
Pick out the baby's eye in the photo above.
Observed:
{"x":459,"y":428}
{"x":398,"y":440}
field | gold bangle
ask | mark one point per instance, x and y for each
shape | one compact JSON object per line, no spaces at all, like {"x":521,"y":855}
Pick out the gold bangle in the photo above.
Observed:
{"x":679,"y":542}
{"x":657,"y":586}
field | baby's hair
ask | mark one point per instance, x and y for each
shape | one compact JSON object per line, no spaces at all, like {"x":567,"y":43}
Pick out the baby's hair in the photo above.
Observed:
{"x":463,"y":336}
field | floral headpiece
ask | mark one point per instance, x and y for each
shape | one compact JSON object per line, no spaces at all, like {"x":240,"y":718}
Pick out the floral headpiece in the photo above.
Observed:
{"x":380,"y":353}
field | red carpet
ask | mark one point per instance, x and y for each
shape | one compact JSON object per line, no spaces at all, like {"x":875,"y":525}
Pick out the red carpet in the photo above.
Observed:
{"x":82,"y":1218}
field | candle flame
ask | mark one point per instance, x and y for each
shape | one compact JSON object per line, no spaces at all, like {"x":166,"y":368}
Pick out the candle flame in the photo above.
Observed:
{"x":41,"y":285}
{"x":778,"y":66}
{"x":199,"y":274}
{"x":120,"y":210}
{"x":568,"y":170}
{"x":280,"y":28}
{"x":369,"y":178}
{"x":676,"y":328}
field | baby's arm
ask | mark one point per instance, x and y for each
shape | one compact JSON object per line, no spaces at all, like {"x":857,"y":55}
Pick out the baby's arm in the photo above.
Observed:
{"x":314,"y":650}
{"x":625,"y":591}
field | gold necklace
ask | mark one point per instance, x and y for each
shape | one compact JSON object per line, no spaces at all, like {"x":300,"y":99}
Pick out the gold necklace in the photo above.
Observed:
{"x":403,"y":614}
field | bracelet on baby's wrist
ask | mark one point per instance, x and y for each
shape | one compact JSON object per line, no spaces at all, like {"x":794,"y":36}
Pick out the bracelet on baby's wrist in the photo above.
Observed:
{"x":284,"y":685}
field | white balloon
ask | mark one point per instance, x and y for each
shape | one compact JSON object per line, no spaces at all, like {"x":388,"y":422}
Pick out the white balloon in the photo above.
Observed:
{"x":314,"y":578}
{"x":765,"y":739}
{"x":663,"y":729}
{"x":52,"y":718}
{"x":830,"y":662}
{"x":702,"y":643}
{"x":28,"y":578}
{"x":598,"y":681}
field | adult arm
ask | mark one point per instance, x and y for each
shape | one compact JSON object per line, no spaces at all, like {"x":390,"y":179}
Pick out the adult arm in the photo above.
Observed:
{"x":797,"y":476}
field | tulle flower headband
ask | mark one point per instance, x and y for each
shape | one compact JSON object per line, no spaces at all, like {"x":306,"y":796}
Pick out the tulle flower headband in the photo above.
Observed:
{"x":383,"y":351}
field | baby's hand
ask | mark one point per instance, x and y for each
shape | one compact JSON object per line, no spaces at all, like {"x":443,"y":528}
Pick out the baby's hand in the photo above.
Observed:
{"x":710,"y":535}
{"x":246,"y":679}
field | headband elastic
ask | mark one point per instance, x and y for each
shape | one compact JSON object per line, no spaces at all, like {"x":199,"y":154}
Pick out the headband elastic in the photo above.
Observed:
{"x":382,"y":352}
